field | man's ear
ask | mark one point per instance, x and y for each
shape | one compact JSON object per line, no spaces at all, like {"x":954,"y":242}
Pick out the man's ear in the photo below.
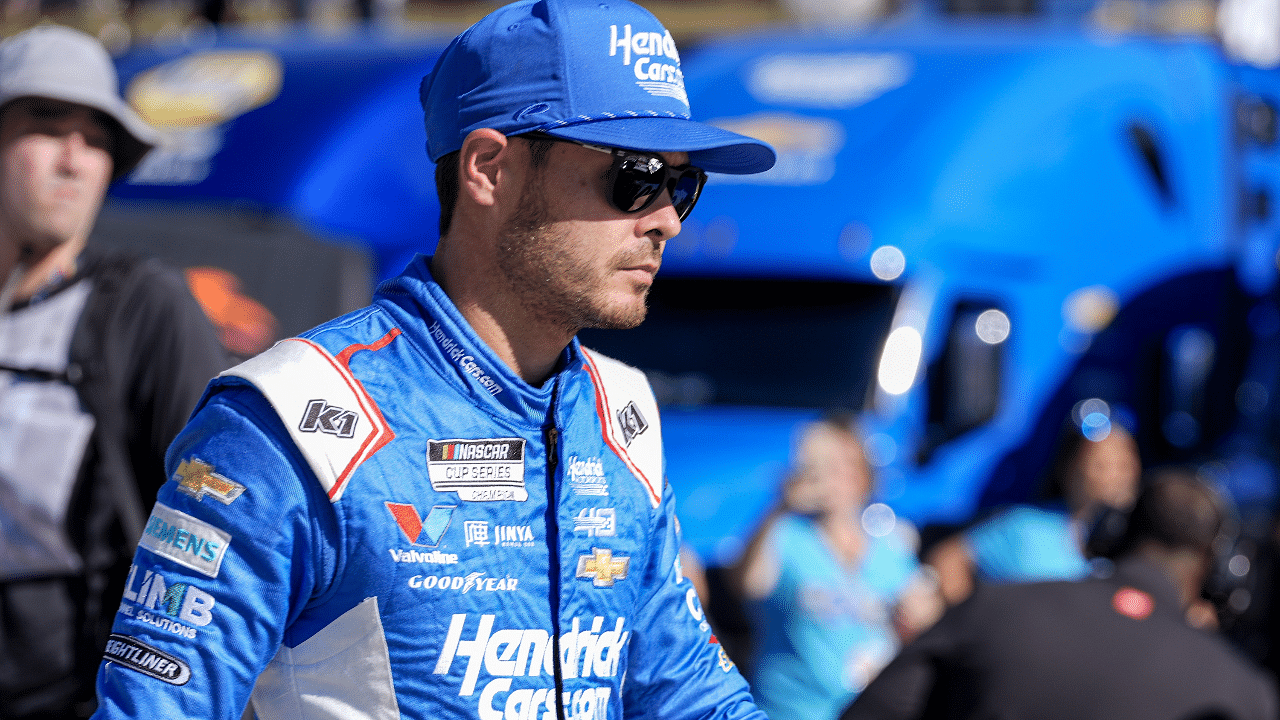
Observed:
{"x":482,"y":164}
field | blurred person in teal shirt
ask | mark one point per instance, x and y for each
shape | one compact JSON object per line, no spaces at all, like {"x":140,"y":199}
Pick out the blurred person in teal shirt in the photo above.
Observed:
{"x":831,"y":584}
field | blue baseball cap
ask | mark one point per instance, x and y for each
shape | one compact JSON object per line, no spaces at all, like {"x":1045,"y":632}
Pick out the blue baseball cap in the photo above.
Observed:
{"x":604,"y":72}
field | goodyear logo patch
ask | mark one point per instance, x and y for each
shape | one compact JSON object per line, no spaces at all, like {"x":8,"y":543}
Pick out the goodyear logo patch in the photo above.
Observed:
{"x":140,"y":657}
{"x":478,"y":470}
{"x":185,"y":540}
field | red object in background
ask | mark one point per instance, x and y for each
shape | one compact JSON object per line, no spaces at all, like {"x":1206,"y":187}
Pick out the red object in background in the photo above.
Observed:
{"x":1133,"y":603}
{"x":245,"y":326}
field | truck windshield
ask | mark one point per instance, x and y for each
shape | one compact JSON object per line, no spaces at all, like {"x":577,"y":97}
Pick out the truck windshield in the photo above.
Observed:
{"x":755,"y":341}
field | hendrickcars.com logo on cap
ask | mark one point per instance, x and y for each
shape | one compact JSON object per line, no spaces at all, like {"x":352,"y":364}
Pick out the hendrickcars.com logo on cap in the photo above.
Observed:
{"x":651,"y":51}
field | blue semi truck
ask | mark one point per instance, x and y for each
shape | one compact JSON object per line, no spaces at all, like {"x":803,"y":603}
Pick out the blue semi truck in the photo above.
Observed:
{"x":973,"y":226}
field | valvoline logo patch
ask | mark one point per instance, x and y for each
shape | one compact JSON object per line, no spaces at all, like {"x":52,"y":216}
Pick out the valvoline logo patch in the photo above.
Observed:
{"x":425,"y":531}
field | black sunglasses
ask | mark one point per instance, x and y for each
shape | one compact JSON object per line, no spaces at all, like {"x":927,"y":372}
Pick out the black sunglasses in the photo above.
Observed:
{"x":636,"y":178}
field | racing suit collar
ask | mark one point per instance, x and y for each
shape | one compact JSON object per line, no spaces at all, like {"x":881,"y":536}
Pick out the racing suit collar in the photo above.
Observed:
{"x":449,"y":338}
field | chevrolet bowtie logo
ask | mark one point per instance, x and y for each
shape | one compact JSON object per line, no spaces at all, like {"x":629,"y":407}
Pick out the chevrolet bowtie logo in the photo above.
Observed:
{"x":602,"y":567}
{"x":197,"y":479}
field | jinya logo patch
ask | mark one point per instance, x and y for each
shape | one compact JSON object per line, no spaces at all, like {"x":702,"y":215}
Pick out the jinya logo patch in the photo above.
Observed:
{"x":478,"y":470}
{"x":140,"y":657}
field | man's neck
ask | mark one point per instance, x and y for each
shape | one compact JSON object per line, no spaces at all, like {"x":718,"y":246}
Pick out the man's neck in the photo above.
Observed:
{"x":36,"y":271}
{"x":527,"y":344}
{"x":1185,"y":568}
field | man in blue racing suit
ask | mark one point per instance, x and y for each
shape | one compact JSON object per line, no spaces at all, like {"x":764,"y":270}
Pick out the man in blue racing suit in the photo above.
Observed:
{"x":442,"y":506}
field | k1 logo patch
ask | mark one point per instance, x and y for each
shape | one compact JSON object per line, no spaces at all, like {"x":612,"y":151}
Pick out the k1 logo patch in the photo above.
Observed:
{"x":631,"y":423}
{"x":323,"y":417}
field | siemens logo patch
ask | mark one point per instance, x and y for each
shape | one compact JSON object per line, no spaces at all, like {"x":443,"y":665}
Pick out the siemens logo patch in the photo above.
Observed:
{"x":185,"y":540}
{"x":141,"y":657}
{"x":478,"y":470}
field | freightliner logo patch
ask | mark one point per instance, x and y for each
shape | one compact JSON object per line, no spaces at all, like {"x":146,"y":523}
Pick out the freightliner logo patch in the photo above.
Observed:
{"x":141,"y":657}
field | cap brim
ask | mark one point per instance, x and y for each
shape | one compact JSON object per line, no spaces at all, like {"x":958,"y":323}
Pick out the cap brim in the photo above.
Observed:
{"x":711,"y":148}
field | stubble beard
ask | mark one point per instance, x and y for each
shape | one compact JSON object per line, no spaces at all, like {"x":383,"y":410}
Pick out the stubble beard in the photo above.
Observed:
{"x":552,"y":283}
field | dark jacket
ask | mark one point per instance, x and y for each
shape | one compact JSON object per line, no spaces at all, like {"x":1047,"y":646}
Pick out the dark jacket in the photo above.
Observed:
{"x":1116,"y":647}
{"x":96,"y":378}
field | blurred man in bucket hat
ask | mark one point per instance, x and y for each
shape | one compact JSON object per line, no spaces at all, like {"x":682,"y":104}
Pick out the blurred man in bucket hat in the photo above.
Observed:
{"x":102,"y":358}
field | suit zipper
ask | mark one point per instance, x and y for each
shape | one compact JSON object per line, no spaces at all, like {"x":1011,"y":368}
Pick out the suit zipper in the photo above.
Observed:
{"x":551,"y":441}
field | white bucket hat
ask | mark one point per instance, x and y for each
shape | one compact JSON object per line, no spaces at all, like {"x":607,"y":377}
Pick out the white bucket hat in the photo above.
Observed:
{"x":56,"y":62}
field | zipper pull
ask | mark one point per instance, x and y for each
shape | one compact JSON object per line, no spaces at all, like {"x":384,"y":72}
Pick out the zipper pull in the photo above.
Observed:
{"x":551,"y":436}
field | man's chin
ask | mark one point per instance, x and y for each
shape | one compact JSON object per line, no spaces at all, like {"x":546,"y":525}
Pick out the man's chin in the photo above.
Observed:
{"x":39,"y":241}
{"x":618,"y":322}
{"x":621,"y":317}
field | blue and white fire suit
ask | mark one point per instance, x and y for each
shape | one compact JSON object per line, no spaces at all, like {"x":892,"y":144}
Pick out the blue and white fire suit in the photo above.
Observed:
{"x":379,"y":519}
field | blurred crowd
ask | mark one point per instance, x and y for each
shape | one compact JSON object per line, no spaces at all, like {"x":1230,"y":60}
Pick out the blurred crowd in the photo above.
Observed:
{"x":1101,"y":597}
{"x":1244,"y":25}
